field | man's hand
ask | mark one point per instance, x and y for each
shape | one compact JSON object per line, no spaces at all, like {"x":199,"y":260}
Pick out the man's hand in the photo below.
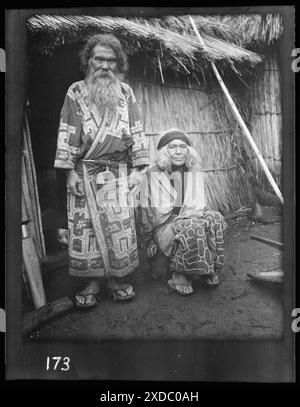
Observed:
{"x":134,"y":178}
{"x":74,"y":183}
{"x":151,"y":249}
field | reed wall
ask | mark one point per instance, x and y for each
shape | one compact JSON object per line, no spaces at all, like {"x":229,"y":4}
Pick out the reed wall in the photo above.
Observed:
{"x":265,"y":122}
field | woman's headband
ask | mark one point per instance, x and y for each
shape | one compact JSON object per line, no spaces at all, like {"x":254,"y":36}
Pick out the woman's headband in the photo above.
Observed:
{"x":173,"y":135}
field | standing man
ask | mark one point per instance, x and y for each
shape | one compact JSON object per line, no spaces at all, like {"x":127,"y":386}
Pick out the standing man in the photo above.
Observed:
{"x":100,"y":135}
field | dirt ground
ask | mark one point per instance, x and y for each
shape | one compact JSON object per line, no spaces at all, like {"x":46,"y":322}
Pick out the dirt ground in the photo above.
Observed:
{"x":239,"y":308}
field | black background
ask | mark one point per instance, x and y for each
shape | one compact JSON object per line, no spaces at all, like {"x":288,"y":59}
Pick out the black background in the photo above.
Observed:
{"x":200,"y":361}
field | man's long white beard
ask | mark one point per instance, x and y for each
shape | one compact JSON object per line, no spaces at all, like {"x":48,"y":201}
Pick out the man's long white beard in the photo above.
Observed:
{"x":103,"y":92}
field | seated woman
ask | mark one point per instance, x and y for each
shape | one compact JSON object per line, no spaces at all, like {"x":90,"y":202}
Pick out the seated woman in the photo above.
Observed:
{"x":175,"y":224}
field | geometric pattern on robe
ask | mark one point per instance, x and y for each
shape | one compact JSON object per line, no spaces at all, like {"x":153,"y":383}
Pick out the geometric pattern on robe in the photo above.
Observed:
{"x":198,"y":243}
{"x":116,"y":137}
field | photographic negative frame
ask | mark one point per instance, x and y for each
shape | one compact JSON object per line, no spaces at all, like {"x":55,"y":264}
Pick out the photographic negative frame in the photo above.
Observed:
{"x":183,"y":360}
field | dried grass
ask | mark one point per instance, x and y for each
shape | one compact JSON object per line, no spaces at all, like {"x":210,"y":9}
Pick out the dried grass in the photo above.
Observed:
{"x":167,"y":36}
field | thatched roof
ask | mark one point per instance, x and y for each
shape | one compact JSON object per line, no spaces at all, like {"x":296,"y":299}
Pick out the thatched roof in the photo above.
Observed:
{"x":256,"y":31}
{"x":166,"y":42}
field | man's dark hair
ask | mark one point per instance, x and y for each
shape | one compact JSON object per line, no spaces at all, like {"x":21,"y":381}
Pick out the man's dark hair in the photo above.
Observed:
{"x":105,"y":40}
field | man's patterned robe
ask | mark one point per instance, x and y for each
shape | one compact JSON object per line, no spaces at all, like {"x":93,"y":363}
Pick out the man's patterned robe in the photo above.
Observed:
{"x":95,"y":230}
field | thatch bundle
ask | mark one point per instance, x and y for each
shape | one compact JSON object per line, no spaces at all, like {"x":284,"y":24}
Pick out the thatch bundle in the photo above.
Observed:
{"x":243,"y":30}
{"x":265,"y":121}
{"x":166,"y":43}
{"x":256,"y":31}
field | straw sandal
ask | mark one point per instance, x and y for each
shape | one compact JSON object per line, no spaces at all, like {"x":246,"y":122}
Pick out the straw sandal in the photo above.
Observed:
{"x":122,"y":294}
{"x":179,"y":288}
{"x":89,"y":300}
{"x":212,"y":280}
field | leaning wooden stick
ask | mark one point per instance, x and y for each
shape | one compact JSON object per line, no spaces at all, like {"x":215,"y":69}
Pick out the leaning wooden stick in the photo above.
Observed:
{"x":240,"y":120}
{"x":32,"y":269}
{"x":30,"y":174}
{"x":265,"y":240}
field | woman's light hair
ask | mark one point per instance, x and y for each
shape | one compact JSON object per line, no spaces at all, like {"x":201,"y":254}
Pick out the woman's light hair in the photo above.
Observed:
{"x":163,"y":160}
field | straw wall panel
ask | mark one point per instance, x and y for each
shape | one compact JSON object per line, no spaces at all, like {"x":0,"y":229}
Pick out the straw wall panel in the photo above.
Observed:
{"x":265,"y":120}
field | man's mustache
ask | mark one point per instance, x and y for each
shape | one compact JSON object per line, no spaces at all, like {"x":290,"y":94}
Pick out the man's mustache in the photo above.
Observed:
{"x":100,"y":73}
{"x":97,"y":76}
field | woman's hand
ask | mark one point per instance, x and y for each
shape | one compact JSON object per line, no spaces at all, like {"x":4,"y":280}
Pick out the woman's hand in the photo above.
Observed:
{"x":74,"y":183}
{"x":151,"y":249}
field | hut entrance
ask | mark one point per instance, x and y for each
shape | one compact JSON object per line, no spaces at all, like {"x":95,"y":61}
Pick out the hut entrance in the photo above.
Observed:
{"x":49,"y":78}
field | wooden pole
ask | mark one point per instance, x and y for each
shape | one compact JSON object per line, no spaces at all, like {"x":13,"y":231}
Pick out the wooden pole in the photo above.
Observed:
{"x":265,"y":240}
{"x":32,"y":182}
{"x":32,"y":268}
{"x":160,"y":70}
{"x":240,"y":120}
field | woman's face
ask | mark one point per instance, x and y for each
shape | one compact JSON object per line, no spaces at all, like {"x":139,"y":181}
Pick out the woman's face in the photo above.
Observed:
{"x":178,"y":152}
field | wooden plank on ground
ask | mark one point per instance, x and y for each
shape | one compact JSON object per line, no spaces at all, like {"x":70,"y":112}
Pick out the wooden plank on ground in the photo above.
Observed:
{"x":267,"y":276}
{"x":34,"y":319}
